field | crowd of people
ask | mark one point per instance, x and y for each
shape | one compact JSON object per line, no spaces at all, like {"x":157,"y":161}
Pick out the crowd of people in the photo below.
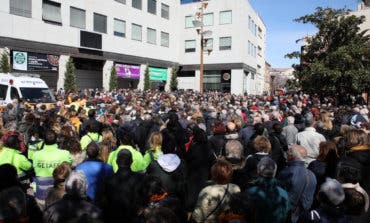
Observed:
{"x":151,"y":156}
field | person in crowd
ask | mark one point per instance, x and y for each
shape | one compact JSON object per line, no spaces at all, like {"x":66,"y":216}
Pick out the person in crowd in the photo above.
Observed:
{"x":155,"y":148}
{"x":160,"y":214}
{"x":339,"y":140}
{"x":92,"y":135}
{"x":44,"y":163}
{"x":331,"y":195}
{"x":120,"y":193}
{"x":262,"y":148}
{"x":278,"y":145}
{"x":109,"y":138}
{"x":126,"y":139}
{"x":214,"y":199}
{"x":310,"y":140}
{"x":174,"y":136}
{"x":234,"y":155}
{"x":299,"y":182}
{"x":60,"y":174}
{"x":153,"y":194}
{"x":74,"y":206}
{"x":290,"y":131}
{"x":326,"y":127}
{"x":91,"y":119}
{"x":73,"y":146}
{"x":15,"y":204}
{"x":259,"y":130}
{"x":265,"y":201}
{"x":95,"y":170}
{"x":246,"y":132}
{"x":198,"y":163}
{"x":216,"y":143}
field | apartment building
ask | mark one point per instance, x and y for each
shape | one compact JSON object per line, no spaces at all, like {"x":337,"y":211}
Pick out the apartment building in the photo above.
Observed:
{"x":131,"y":35}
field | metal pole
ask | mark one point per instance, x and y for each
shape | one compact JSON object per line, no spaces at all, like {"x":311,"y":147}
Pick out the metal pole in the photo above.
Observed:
{"x":201,"y":67}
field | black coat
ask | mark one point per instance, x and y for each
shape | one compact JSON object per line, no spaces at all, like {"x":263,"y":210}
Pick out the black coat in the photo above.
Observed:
{"x":174,"y":140}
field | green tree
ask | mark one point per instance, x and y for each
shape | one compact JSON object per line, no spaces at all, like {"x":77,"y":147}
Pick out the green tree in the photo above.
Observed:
{"x":4,"y":63}
{"x":146,"y":79}
{"x":113,"y":81}
{"x":173,"y":81}
{"x":70,"y":77}
{"x":336,"y":60}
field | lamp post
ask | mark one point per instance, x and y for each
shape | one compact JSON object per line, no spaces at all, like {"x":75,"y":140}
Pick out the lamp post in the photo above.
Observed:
{"x":198,"y":23}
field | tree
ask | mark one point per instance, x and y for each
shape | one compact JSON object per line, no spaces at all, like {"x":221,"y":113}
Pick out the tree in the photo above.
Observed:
{"x":4,"y":63}
{"x":173,"y":81}
{"x":70,"y":78}
{"x":113,"y":81}
{"x":146,"y":79}
{"x":336,"y":60}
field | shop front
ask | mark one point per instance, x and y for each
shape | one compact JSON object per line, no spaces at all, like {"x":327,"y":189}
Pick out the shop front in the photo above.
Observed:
{"x":128,"y":75}
{"x":89,"y":73}
{"x":217,"y":80}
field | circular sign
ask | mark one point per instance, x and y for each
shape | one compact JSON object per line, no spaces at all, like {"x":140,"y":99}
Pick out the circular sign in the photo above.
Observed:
{"x":19,"y":58}
{"x":53,"y":60}
{"x":226,"y":76}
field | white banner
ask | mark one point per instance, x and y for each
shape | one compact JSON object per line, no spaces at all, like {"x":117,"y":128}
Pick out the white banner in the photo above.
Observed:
{"x":20,"y":60}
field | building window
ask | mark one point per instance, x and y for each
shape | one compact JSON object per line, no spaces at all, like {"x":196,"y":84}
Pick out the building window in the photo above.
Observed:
{"x":100,"y":23}
{"x":152,"y":6}
{"x":249,"y":47}
{"x":208,"y":44}
{"x":190,"y":46}
{"x":119,"y":28}
{"x":77,"y":18}
{"x":189,"y":21}
{"x":51,"y":12}
{"x":121,"y":1}
{"x":165,"y":39}
{"x":21,"y":8}
{"x":208,"y":19}
{"x":137,"y":4}
{"x":225,"y":17}
{"x":165,"y":11}
{"x":136,"y":32}
{"x":151,"y":36}
{"x":225,"y":43}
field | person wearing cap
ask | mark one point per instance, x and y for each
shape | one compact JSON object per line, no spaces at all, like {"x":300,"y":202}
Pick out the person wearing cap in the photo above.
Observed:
{"x":266,"y":202}
{"x":298,"y":181}
{"x":331,"y":195}
{"x":310,"y":139}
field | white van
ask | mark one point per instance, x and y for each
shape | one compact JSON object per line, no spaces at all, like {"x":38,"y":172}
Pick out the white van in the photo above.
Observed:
{"x":28,"y":87}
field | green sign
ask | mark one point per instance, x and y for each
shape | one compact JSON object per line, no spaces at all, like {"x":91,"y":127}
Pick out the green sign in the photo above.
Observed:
{"x":157,"y":74}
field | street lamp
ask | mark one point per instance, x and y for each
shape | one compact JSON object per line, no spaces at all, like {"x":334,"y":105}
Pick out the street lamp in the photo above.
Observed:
{"x":198,"y":24}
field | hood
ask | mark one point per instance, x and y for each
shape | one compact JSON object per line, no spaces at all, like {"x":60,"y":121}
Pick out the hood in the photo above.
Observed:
{"x":232,"y":136}
{"x":169,"y":162}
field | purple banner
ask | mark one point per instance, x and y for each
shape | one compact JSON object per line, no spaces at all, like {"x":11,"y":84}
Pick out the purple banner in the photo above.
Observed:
{"x":128,"y":71}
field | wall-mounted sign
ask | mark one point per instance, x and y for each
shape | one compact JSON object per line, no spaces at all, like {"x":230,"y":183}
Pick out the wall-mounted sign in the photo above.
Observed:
{"x":128,"y":71}
{"x":157,"y":74}
{"x":28,"y":61}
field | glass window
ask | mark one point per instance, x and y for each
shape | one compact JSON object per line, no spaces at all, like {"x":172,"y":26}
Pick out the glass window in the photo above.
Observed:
{"x":249,"y":47}
{"x":225,"y":17}
{"x":151,"y":36}
{"x":152,"y":6}
{"x":21,"y":8}
{"x":3,"y":91}
{"x":137,"y":4}
{"x":208,"y":19}
{"x":14,"y":93}
{"x":136,"y":32}
{"x":165,"y":11}
{"x":119,"y":28}
{"x":51,"y":12}
{"x":77,"y":18}
{"x":208,"y":44}
{"x":121,"y":1}
{"x":100,"y":23}
{"x":189,"y":21}
{"x":225,"y":43}
{"x":190,"y":46}
{"x":165,"y":39}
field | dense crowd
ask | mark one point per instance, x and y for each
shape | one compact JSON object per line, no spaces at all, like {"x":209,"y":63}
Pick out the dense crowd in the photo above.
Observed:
{"x":134,"y":156}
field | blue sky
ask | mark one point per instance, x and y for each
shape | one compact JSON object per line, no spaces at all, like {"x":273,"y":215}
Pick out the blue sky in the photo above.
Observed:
{"x":282,"y":32}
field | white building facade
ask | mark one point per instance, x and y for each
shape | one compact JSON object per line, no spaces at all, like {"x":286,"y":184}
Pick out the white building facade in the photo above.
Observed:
{"x":130,"y":36}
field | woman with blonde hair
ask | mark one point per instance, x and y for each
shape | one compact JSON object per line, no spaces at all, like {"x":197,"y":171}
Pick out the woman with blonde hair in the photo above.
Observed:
{"x":155,"y":148}
{"x":325,"y":126}
{"x":109,"y":138}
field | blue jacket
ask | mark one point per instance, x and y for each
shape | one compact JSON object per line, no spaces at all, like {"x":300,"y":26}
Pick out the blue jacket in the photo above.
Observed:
{"x":267,"y":201}
{"x":96,"y":172}
{"x":293,"y":178}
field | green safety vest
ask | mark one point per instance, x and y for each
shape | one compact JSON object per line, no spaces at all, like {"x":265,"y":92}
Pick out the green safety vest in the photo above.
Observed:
{"x":138,"y":163}
{"x":47,"y":159}
{"x":88,"y":138}
{"x":15,"y":158}
{"x":32,"y":148}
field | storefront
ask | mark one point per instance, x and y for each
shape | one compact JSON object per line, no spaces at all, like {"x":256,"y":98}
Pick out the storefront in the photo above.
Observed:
{"x":45,"y":65}
{"x":158,"y":78}
{"x":89,"y":73}
{"x":219,"y":80}
{"x":128,"y":75}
